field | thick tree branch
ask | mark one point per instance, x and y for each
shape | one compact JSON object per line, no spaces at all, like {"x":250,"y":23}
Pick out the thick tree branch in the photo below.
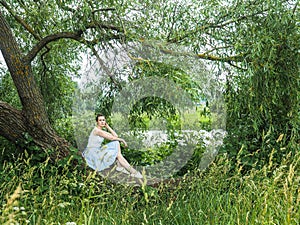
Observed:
{"x":205,"y":55}
{"x":76,"y":35}
{"x":231,"y":60}
{"x":12,"y":124}
{"x":54,"y":37}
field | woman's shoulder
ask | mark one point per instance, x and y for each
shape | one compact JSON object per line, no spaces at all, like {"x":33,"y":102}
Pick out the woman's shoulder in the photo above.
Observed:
{"x":97,"y":131}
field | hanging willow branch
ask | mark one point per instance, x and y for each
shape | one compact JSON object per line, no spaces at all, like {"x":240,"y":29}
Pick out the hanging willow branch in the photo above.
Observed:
{"x":105,"y":68}
{"x":21,"y":21}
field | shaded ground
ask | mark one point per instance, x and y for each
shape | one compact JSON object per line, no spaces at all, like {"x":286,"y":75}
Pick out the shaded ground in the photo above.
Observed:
{"x":120,"y":177}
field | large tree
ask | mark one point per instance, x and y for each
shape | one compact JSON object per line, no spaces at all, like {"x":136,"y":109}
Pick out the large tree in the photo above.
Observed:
{"x":245,"y":36}
{"x":21,"y":56}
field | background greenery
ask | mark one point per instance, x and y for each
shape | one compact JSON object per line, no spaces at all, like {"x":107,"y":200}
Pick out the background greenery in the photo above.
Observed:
{"x":255,"y":177}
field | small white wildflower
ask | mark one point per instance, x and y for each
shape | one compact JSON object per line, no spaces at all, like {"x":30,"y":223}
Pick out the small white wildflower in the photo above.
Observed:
{"x":64,"y":192}
{"x":16,"y":208}
{"x":22,"y":208}
{"x":64,"y":204}
{"x":70,"y":223}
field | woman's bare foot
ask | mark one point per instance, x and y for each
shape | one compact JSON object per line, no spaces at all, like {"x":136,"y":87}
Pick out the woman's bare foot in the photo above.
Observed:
{"x":137,"y":174}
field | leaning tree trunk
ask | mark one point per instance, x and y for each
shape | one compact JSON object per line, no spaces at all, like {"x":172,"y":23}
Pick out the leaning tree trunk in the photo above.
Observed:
{"x":32,"y":119}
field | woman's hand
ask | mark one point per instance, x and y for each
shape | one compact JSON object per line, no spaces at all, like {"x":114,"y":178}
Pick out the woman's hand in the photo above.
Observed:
{"x":124,"y":142}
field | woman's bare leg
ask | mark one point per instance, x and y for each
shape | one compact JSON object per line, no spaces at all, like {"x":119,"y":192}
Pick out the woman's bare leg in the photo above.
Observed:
{"x":121,"y":161}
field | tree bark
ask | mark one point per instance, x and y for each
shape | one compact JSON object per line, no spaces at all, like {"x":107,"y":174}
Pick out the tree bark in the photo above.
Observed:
{"x":11,"y":122}
{"x":32,"y":119}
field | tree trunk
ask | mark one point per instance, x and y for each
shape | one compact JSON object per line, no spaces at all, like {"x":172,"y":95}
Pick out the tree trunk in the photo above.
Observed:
{"x":32,"y":119}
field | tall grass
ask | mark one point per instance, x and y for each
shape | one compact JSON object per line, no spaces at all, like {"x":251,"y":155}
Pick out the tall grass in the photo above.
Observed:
{"x":50,"y":194}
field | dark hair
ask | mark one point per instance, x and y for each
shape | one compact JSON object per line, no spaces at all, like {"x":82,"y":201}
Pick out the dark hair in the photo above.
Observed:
{"x":98,"y":115}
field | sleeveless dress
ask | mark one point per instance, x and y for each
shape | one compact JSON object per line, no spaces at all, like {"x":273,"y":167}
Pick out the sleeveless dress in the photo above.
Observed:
{"x":98,"y":156}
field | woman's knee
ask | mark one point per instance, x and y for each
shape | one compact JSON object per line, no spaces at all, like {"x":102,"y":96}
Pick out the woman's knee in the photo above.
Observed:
{"x":116,"y":143}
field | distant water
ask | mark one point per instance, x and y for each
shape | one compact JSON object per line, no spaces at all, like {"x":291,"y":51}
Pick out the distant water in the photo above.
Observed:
{"x":157,"y":137}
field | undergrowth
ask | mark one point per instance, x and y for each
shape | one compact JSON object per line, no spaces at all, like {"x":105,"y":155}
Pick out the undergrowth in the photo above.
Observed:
{"x":49,"y":194}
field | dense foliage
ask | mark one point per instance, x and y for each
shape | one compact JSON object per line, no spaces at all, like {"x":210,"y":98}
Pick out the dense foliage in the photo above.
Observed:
{"x":82,"y":54}
{"x":263,"y":101}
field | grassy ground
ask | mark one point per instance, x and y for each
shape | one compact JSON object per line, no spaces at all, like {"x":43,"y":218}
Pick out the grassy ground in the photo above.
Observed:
{"x":61,"y":194}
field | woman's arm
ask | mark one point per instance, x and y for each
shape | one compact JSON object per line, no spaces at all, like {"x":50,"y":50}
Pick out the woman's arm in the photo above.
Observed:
{"x":111,"y":130}
{"x":109,"y":136}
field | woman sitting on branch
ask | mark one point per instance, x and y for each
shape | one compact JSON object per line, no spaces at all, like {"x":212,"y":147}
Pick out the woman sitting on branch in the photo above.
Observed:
{"x":100,"y":157}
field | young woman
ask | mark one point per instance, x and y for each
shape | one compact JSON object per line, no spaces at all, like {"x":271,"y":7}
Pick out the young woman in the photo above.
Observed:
{"x":100,"y":157}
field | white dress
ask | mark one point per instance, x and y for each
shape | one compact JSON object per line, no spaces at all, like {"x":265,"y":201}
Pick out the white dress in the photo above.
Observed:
{"x":98,"y":156}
